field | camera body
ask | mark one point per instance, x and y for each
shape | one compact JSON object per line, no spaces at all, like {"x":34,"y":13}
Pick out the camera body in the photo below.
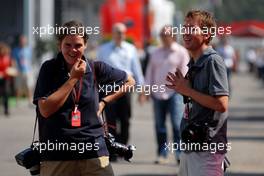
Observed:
{"x":196,"y":133}
{"x":118,"y":148}
{"x":30,"y":159}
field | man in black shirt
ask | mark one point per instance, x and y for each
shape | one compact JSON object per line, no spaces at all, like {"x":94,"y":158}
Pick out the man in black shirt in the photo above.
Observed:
{"x":68,"y":107}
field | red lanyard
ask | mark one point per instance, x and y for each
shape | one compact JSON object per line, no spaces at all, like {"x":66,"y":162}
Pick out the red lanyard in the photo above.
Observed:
{"x":76,"y":97}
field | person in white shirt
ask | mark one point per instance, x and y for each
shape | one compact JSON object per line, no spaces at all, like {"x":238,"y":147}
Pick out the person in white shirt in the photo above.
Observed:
{"x":227,"y":52}
{"x":170,"y":57}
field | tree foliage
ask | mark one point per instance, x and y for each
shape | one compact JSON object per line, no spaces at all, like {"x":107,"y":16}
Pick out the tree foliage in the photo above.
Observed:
{"x":226,"y":10}
{"x":237,"y":10}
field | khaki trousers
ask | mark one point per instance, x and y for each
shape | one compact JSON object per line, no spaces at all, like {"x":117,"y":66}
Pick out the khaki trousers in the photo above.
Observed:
{"x":96,"y":167}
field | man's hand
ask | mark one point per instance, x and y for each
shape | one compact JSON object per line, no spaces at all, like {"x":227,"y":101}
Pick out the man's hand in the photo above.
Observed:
{"x":142,"y":98}
{"x":182,"y":86}
{"x":78,"y":69}
{"x":101,"y":108}
{"x":178,"y":83}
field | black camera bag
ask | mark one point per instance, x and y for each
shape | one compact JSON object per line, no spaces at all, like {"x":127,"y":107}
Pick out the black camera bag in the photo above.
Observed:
{"x":30,"y":156}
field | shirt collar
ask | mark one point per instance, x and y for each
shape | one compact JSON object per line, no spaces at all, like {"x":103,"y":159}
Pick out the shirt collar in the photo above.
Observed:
{"x":203,"y":58}
{"x":173,"y":47}
{"x":122,"y":45}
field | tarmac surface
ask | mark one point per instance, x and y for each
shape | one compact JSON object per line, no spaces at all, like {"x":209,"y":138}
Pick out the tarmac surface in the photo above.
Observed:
{"x":245,"y":132}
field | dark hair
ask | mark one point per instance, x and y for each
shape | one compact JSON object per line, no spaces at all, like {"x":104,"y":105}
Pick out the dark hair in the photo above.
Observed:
{"x":205,"y":20}
{"x":4,"y":49}
{"x":72,"y":28}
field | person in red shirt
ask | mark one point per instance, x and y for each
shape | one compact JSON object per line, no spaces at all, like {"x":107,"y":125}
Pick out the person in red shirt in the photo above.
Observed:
{"x":5,"y":63}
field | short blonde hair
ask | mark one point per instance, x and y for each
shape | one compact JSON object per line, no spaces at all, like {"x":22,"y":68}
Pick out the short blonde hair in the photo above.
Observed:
{"x":205,"y":19}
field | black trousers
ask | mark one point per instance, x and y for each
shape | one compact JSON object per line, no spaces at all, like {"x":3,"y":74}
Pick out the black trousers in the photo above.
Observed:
{"x":4,"y":95}
{"x":119,"y":112}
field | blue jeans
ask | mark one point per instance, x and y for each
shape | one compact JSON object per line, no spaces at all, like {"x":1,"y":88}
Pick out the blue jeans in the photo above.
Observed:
{"x":175,"y":107}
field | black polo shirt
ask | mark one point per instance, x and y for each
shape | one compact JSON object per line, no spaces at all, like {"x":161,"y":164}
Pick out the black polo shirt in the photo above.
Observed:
{"x":209,"y":76}
{"x":57,"y":128}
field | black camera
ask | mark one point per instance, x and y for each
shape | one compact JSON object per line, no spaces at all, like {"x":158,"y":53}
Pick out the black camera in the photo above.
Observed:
{"x":118,"y":148}
{"x":196,"y":133}
{"x":30,"y":159}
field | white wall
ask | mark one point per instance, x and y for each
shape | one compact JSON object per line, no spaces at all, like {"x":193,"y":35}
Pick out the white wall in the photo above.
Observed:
{"x":242,"y":44}
{"x":47,"y":14}
{"x":163,"y":14}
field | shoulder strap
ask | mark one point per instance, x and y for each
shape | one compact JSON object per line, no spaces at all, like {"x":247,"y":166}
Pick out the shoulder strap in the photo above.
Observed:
{"x":91,"y":63}
{"x":187,"y":100}
{"x":102,"y":119}
{"x":34,"y":132}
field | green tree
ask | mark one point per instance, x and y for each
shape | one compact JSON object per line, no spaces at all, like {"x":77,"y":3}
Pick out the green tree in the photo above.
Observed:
{"x":186,"y":5}
{"x":236,"y":10}
{"x":226,"y":10}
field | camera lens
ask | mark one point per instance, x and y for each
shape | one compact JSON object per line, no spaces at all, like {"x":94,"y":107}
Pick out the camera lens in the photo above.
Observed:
{"x":118,"y":148}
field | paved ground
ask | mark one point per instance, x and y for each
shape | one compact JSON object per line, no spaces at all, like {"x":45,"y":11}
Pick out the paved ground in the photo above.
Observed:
{"x":245,"y":131}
